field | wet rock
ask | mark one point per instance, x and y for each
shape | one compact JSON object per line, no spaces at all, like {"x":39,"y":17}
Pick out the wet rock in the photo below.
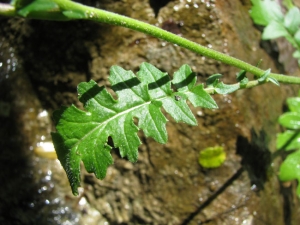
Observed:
{"x":34,"y":189}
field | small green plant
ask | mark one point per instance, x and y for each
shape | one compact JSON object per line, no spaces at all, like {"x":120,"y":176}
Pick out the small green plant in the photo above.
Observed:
{"x":212,"y":157}
{"x":83,"y":135}
{"x":289,"y":141}
{"x":268,"y":13}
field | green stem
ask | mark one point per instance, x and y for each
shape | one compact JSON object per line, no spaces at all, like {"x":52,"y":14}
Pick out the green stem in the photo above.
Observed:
{"x":73,"y":10}
{"x":250,"y":84}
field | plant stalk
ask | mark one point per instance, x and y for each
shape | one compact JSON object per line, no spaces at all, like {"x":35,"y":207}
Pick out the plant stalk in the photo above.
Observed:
{"x":250,"y":84}
{"x":73,"y":10}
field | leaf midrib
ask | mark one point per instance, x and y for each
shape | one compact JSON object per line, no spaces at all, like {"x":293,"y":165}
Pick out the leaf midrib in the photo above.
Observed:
{"x":115,"y":117}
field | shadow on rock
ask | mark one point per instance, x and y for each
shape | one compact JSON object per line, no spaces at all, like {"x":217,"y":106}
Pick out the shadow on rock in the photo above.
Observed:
{"x":256,"y":158}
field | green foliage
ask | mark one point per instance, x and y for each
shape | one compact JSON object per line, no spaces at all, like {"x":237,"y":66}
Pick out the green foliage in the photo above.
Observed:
{"x":63,"y":10}
{"x":290,"y":141}
{"x":265,"y":78}
{"x":46,"y":9}
{"x":83,"y":135}
{"x":220,"y":87}
{"x":290,"y":169}
{"x":268,"y":13}
{"x":288,"y":4}
{"x":38,"y":6}
{"x":242,"y":78}
{"x":212,"y":157}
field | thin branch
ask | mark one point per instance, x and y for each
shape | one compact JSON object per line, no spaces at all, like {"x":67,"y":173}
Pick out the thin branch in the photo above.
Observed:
{"x":71,"y":10}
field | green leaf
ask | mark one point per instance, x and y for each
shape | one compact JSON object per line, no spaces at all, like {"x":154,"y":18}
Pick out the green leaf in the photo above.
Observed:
{"x":199,"y":98}
{"x":274,"y":30}
{"x":83,"y":135}
{"x":213,"y":79}
{"x":288,"y":140}
{"x":21,"y":3}
{"x":297,"y":37}
{"x":160,"y":87}
{"x":290,"y":169}
{"x":265,"y":75}
{"x":212,"y":157}
{"x":241,"y":75}
{"x":265,"y":78}
{"x":296,"y":54}
{"x":288,"y":4}
{"x":74,"y":14}
{"x":258,"y":63}
{"x":220,"y":87}
{"x":37,"y":6}
{"x":294,"y":104}
{"x":292,"y":20}
{"x":223,"y":89}
{"x":242,"y":78}
{"x":273,"y":80}
{"x":263,"y":12}
{"x":184,"y":80}
{"x":290,"y":120}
